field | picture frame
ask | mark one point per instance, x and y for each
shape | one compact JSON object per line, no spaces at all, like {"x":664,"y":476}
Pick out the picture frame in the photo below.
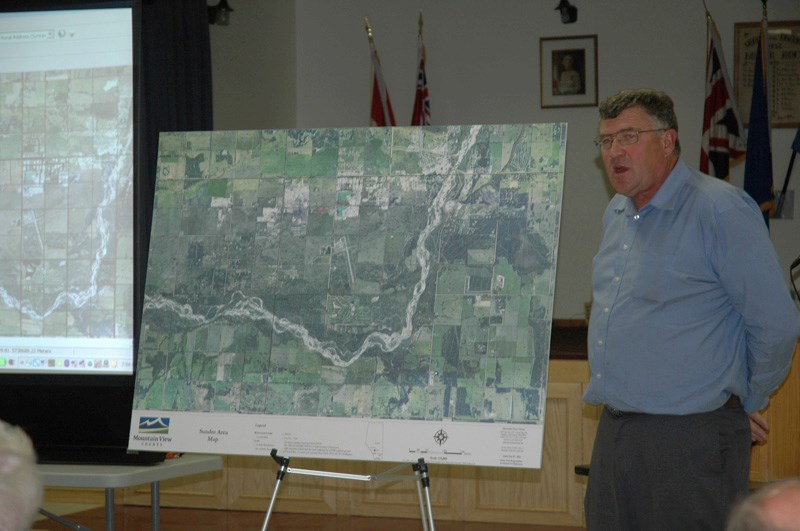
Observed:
{"x":568,"y":71}
{"x":782,"y":72}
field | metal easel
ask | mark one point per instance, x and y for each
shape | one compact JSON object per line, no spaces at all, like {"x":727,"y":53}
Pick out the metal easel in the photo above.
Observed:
{"x":421,"y":477}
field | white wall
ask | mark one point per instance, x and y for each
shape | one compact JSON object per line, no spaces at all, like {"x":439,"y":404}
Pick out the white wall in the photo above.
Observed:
{"x":254,"y":66}
{"x":483,"y":67}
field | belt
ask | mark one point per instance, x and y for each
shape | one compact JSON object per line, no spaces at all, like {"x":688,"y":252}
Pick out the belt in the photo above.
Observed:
{"x":732,"y":403}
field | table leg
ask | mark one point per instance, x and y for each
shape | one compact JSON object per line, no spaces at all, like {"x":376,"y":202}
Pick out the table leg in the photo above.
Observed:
{"x":109,"y":509}
{"x":155,"y":505}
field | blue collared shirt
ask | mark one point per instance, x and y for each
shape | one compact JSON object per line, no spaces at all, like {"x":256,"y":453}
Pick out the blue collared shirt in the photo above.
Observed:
{"x":689,"y":302}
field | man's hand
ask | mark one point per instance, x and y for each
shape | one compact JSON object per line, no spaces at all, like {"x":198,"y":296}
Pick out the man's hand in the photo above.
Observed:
{"x":758,"y":428}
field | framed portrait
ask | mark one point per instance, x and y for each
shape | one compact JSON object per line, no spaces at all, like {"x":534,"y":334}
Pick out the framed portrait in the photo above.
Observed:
{"x":568,"y":76}
{"x":783,"y":69}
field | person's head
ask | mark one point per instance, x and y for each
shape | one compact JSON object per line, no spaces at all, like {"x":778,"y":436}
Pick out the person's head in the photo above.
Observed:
{"x":567,"y":62}
{"x":20,"y":488}
{"x":775,"y":507}
{"x":638,"y":142}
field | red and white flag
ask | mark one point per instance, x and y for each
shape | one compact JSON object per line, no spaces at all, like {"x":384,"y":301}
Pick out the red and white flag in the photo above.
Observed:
{"x":723,"y":145}
{"x":422,"y":105}
{"x":381,"y":113}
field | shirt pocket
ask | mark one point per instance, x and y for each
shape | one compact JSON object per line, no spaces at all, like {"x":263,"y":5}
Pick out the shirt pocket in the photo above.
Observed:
{"x":652,"y":276}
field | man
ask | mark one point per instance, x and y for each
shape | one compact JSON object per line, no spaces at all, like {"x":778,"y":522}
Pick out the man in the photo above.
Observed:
{"x":692,"y":327}
{"x":775,"y":507}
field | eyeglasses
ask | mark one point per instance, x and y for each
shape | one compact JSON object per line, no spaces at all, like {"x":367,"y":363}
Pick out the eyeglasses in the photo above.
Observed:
{"x":626,"y":137}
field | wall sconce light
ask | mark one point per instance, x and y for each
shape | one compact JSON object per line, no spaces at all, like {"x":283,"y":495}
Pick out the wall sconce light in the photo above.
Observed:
{"x":220,"y":14}
{"x":569,"y":13}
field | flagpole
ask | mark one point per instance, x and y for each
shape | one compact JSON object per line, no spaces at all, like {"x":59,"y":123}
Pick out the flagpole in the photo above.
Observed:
{"x":705,"y":7}
{"x":765,"y":24}
{"x":385,"y":107}
{"x":371,"y":38}
{"x":758,"y":173}
{"x":765,"y":44}
{"x":779,"y":208}
{"x":368,"y":29}
{"x":421,"y":113}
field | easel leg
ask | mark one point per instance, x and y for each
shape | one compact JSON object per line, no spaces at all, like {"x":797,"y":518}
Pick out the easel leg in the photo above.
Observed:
{"x":283,"y":466}
{"x":422,"y":514}
{"x":421,"y":471}
{"x":420,"y":476}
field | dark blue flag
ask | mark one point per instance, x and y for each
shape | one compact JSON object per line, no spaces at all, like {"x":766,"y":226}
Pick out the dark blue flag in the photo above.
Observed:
{"x":758,"y":164}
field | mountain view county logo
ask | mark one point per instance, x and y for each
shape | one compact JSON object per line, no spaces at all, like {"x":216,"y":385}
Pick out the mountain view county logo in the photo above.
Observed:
{"x":153,"y":424}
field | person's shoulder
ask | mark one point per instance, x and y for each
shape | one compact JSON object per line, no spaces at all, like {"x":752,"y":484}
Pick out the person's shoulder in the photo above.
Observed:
{"x":712,"y":186}
{"x":719,"y":194}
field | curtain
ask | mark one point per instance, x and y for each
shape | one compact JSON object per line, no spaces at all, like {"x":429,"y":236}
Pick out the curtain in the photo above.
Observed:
{"x":175,"y":84}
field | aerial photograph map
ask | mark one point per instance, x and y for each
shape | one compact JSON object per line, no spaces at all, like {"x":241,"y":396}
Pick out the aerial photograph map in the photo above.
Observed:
{"x":360,"y":277}
{"x":66,"y":227}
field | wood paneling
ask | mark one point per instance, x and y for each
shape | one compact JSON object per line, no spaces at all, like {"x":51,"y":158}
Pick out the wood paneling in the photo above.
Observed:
{"x":201,"y":490}
{"x":552,"y":495}
{"x":779,"y":457}
{"x":397,"y":498}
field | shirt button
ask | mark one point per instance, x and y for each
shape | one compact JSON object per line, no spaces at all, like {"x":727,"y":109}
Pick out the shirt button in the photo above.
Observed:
{"x":605,"y":310}
{"x":616,"y":280}
{"x":625,"y":246}
{"x":599,"y":341}
{"x":636,"y":217}
{"x":598,"y":375}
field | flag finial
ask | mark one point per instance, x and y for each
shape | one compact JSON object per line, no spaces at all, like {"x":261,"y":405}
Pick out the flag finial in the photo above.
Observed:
{"x":421,"y":22}
{"x":368,"y":29}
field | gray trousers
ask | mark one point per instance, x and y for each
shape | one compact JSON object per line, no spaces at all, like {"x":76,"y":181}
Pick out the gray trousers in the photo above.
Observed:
{"x":667,"y":472}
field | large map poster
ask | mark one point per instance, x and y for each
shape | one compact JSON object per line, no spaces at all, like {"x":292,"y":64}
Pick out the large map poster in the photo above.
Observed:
{"x":365,"y":293}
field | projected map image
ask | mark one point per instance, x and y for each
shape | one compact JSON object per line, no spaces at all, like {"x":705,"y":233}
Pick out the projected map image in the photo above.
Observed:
{"x":402,"y":273}
{"x":65,"y":219}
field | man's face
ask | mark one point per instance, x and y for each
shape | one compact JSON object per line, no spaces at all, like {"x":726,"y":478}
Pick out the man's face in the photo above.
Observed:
{"x":637,"y":170}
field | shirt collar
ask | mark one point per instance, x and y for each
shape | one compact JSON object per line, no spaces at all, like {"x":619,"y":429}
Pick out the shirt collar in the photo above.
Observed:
{"x":665,"y":199}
